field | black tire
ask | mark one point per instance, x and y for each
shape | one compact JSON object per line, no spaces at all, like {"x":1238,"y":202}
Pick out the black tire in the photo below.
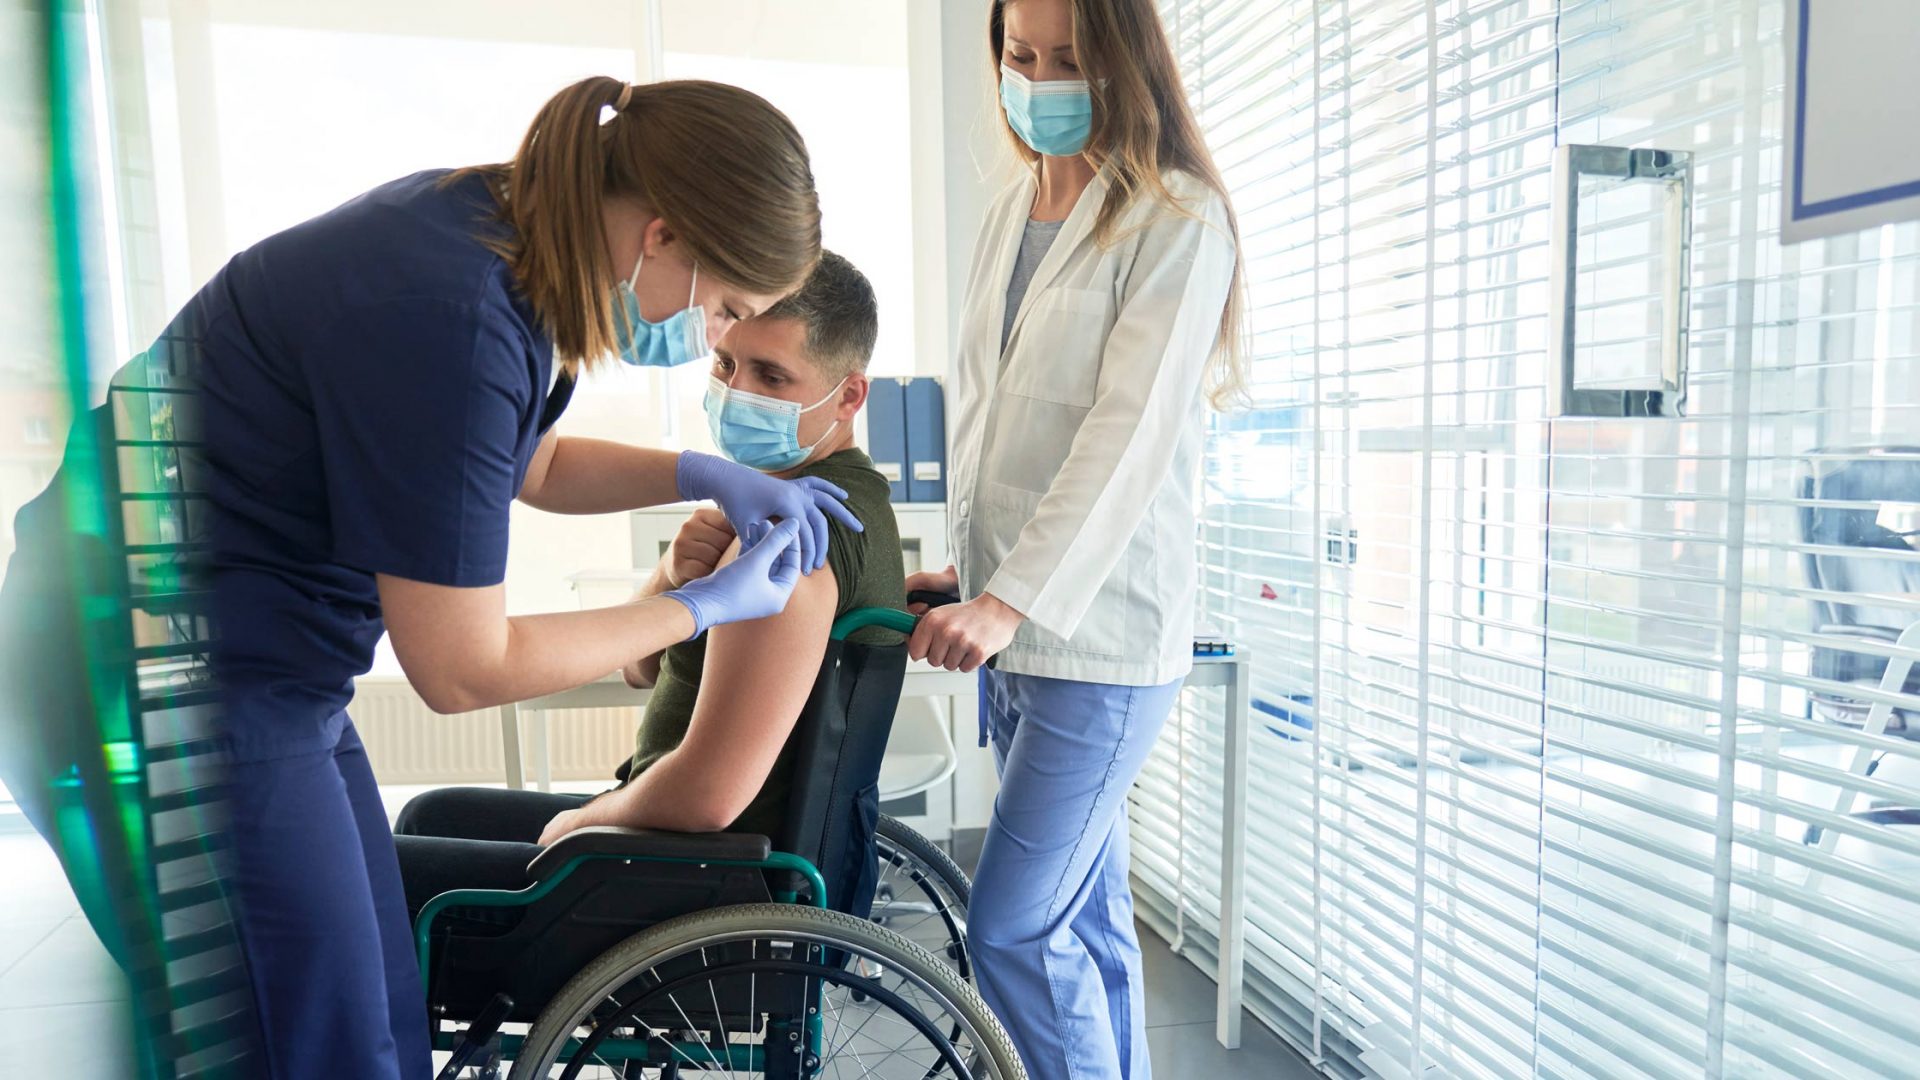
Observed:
{"x":892,"y":830}
{"x":915,"y":873}
{"x":983,"y":1045}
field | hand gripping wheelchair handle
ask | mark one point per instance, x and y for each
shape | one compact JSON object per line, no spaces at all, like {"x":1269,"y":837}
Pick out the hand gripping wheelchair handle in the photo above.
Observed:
{"x":935,"y":599}
{"x":898,"y":621}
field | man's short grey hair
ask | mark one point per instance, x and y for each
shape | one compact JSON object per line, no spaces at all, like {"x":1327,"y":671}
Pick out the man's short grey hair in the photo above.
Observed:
{"x":836,"y":304}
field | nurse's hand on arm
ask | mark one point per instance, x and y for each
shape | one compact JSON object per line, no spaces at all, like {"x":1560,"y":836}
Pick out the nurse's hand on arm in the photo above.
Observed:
{"x":462,"y":652}
{"x":747,"y":495}
{"x":572,"y":475}
{"x":695,"y":552}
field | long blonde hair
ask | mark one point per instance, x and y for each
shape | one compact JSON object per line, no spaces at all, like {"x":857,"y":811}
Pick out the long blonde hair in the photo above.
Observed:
{"x":725,"y":169}
{"x":1143,"y":127}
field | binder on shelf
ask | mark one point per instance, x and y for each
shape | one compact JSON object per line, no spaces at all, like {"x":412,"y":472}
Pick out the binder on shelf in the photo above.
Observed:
{"x":926,"y":404}
{"x":887,"y":434}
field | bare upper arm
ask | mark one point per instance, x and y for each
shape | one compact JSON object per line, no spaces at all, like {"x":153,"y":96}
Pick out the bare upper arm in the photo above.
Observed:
{"x":437,"y":629}
{"x":537,"y":467}
{"x":754,"y":682}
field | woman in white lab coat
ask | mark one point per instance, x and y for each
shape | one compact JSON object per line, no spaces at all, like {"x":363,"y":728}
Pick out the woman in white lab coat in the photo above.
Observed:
{"x":1101,"y":308}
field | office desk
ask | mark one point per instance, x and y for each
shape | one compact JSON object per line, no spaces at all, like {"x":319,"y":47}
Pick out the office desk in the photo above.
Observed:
{"x":1230,"y":673}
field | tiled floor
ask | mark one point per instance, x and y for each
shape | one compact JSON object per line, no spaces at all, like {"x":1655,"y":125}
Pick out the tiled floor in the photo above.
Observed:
{"x":1180,"y":1015}
{"x":63,"y":1004}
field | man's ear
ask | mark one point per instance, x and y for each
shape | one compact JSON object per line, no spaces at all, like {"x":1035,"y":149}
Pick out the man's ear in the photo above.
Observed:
{"x":853,"y":396}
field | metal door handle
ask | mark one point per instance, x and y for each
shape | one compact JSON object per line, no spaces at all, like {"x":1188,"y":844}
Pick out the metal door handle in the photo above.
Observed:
{"x":1673,"y":170}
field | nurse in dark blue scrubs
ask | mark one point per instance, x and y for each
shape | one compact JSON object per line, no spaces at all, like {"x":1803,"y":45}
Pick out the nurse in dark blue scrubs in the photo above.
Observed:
{"x":379,"y":384}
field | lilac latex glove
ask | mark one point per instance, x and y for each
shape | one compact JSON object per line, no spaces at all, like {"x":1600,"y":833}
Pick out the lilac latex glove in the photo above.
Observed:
{"x":747,"y":495}
{"x":753,"y":586}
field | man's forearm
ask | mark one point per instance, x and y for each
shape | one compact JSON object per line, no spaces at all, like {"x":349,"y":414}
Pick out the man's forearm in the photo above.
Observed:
{"x":659,"y":798}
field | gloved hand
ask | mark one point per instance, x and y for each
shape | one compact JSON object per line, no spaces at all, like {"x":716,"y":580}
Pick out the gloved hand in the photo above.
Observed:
{"x":753,"y":586}
{"x":747,"y":495}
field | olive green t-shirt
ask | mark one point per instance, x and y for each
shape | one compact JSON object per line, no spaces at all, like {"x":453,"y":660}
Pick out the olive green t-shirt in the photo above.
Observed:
{"x":868,"y":571}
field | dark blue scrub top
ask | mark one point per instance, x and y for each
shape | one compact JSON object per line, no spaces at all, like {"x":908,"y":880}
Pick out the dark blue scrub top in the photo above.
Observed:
{"x":373,"y":392}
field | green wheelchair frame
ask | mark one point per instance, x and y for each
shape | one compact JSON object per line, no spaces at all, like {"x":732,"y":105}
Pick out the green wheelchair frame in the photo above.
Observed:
{"x":744,"y":1058}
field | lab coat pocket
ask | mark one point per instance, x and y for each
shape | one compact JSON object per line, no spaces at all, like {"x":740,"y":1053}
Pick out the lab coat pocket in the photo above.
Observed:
{"x":1057,"y":348}
{"x":1106,"y":632}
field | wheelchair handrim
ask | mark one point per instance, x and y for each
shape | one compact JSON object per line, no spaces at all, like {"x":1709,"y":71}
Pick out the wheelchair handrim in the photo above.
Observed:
{"x":799,"y":929}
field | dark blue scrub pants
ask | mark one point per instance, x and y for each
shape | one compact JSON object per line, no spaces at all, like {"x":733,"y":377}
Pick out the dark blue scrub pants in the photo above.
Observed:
{"x":323,"y":919}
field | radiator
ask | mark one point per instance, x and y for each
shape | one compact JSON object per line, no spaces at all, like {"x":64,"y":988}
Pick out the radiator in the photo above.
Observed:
{"x":409,"y":743}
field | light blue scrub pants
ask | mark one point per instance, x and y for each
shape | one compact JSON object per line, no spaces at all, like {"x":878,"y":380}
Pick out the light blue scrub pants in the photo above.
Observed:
{"x":1051,"y":916}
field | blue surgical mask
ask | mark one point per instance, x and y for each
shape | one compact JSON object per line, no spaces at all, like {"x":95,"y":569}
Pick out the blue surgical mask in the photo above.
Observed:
{"x":678,"y":339}
{"x":761,"y":432}
{"x":1053,"y":117}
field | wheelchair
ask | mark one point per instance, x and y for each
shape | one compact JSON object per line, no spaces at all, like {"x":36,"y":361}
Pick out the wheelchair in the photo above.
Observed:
{"x":921,"y":893}
{"x":638,"y":953}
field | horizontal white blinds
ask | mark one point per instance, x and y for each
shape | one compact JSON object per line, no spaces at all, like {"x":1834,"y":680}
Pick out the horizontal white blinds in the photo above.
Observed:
{"x":1559,"y":730}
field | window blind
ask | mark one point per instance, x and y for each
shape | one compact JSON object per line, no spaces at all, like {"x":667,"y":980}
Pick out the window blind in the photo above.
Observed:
{"x":1553,"y":721}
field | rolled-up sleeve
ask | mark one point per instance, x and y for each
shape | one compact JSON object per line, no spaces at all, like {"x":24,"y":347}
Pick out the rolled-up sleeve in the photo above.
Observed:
{"x":1150,"y":373}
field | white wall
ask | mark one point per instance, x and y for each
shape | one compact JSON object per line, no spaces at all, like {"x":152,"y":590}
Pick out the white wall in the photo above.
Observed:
{"x":977,"y":163}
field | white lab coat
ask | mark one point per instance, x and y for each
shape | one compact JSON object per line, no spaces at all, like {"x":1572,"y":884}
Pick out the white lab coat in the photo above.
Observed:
{"x":1076,"y":452}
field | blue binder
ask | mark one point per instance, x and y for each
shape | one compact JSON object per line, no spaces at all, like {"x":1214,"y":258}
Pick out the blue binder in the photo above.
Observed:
{"x":926,"y":441}
{"x":887,"y":434}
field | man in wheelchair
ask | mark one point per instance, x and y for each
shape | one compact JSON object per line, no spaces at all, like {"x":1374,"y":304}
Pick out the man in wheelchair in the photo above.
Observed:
{"x":713,"y":749}
{"x":636,"y":933}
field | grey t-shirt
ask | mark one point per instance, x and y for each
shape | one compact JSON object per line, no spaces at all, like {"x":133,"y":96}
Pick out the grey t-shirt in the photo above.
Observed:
{"x":1033,"y":247}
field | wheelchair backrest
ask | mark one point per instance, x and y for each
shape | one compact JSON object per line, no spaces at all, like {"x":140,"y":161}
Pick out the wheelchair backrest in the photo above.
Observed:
{"x":836,"y":747}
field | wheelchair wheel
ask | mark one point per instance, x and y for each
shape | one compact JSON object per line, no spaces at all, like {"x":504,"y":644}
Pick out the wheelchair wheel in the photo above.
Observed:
{"x":767,"y":990}
{"x":921,"y":894}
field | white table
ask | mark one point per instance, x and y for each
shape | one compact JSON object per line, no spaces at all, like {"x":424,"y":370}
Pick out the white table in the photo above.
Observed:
{"x":1228,"y":672}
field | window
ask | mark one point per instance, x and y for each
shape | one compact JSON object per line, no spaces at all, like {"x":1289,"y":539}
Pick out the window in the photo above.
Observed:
{"x":264,"y":113}
{"x":1559,"y":725}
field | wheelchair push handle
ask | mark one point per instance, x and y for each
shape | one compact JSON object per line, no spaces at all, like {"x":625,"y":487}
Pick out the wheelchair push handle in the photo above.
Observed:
{"x":897,"y":620}
{"x":861,"y":618}
{"x":893,"y":619}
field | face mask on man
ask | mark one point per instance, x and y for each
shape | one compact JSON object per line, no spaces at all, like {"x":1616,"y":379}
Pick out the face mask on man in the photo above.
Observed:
{"x":678,"y":339}
{"x":761,"y":432}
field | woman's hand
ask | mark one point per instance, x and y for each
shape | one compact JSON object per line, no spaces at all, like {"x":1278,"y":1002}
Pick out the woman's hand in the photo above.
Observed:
{"x":961,"y":637}
{"x":937,"y":581}
{"x":748,"y":495}
{"x":753,"y":586}
{"x":698,"y":546}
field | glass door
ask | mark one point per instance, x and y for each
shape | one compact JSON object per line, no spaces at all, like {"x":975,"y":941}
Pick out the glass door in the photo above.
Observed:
{"x":1724,"y":888}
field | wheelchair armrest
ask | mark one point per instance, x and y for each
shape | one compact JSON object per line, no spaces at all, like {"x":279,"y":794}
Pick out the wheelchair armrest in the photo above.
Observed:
{"x":649,"y":844}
